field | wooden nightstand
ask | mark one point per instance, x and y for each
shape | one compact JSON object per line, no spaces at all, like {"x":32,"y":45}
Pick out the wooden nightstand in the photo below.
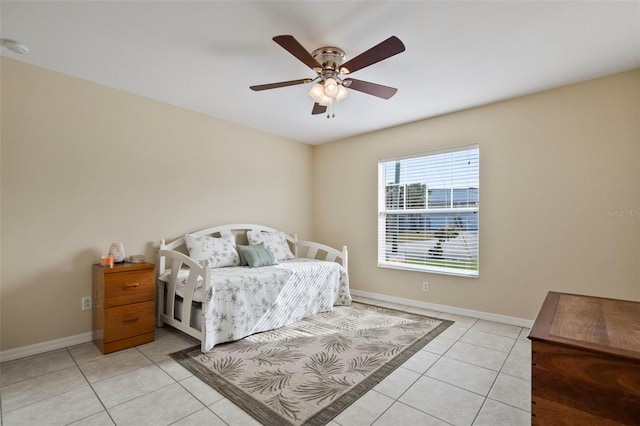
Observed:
{"x":123,"y":305}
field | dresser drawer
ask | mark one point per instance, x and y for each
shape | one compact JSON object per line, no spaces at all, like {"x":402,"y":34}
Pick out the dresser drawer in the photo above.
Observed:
{"x":126,"y":321}
{"x":128,"y":287}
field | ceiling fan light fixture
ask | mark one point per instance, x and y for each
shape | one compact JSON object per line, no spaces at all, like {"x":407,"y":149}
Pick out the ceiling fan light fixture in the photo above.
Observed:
{"x":317,"y":92}
{"x":342,"y":94}
{"x":325,"y":100}
{"x":328,"y":64}
{"x":331,"y":87}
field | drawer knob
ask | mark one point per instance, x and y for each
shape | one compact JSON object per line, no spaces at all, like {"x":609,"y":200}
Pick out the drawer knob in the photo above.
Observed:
{"x":130,"y":320}
{"x":126,"y":286}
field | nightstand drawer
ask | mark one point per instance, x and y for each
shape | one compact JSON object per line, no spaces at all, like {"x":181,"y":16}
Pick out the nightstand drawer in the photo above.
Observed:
{"x":128,"y":287}
{"x":126,"y":321}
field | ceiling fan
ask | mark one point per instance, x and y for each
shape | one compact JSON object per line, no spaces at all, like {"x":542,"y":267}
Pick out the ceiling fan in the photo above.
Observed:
{"x":327,"y":62}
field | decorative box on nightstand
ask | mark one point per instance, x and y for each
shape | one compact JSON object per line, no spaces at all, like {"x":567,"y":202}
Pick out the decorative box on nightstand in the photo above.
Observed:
{"x":123,"y":305}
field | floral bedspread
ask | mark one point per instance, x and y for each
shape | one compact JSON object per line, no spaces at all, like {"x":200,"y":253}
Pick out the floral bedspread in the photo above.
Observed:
{"x":246,"y":300}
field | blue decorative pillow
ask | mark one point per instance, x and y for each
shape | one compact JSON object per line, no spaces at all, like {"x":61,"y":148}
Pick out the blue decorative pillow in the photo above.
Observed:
{"x":257,"y":255}
{"x":243,"y":261}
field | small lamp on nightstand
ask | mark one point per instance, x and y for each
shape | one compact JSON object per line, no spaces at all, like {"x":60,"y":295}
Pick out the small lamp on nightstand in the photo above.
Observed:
{"x":117,"y":251}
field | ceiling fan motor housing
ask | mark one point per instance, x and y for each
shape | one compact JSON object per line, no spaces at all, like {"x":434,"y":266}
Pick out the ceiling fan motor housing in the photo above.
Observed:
{"x":330,"y":58}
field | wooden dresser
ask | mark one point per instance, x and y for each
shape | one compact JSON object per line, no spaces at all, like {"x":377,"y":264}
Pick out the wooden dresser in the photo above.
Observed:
{"x":123,"y":305}
{"x":585,"y":361}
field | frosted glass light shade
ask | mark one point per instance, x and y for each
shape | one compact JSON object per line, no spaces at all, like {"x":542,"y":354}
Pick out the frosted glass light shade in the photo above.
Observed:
{"x":317,"y":92}
{"x":325,"y":100}
{"x":330,"y":87}
{"x":342,"y":93}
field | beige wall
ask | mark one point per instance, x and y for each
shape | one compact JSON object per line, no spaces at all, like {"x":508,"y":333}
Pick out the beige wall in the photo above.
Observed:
{"x":83,"y":165}
{"x":551,"y":166}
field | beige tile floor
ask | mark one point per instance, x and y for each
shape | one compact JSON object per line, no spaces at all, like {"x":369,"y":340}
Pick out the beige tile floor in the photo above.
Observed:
{"x":475,"y":373}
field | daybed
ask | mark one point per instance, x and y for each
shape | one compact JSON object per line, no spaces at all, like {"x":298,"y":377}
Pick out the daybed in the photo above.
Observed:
{"x":204,"y":292}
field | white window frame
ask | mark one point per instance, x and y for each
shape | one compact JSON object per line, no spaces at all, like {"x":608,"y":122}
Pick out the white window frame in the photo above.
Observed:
{"x":431,"y":264}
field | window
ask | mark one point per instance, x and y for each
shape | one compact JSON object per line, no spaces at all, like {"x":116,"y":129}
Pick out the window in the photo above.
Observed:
{"x":428,"y":207}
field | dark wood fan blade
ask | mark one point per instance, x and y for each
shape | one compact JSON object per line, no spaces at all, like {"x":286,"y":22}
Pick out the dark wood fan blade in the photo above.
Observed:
{"x":386,"y":49}
{"x":384,"y":92}
{"x":280,"y":84}
{"x":291,"y":45}
{"x":318,"y":109}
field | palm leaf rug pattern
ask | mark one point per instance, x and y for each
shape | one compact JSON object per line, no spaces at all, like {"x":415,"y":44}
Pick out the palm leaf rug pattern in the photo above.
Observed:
{"x":308,"y":372}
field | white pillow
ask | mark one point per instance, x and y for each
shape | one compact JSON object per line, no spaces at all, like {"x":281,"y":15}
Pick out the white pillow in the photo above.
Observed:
{"x":220,"y":251}
{"x":275,"y":242}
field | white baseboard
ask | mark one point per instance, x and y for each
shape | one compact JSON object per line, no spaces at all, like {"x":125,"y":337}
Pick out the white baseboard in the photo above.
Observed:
{"x":51,"y":345}
{"x":519,"y":322}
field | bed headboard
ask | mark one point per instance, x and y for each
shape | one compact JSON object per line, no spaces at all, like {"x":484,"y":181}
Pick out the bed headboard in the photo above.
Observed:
{"x":299,"y":248}
{"x":238,"y":230}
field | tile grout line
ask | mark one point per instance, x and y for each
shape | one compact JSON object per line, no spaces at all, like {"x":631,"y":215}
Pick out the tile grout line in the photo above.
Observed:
{"x":424,"y":374}
{"x":90,"y":386}
{"x":205,"y":407}
{"x":498,"y":372}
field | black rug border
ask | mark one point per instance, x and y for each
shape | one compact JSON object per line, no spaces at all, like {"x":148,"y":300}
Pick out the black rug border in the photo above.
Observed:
{"x":268,"y":417}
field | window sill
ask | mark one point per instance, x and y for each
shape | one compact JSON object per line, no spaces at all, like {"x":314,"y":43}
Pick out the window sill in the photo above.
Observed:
{"x":430,"y":270}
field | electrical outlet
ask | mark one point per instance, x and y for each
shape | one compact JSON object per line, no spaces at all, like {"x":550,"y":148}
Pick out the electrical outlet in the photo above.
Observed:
{"x":86,"y":303}
{"x":425,"y":286}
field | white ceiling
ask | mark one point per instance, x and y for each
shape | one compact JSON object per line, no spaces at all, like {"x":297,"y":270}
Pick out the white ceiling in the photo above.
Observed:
{"x":203,"y":56}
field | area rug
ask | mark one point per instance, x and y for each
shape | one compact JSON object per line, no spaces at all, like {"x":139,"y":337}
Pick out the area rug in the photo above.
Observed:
{"x":308,"y":372}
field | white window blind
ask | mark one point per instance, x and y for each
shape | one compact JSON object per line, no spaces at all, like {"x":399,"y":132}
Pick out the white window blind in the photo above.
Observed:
{"x":428,"y":212}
